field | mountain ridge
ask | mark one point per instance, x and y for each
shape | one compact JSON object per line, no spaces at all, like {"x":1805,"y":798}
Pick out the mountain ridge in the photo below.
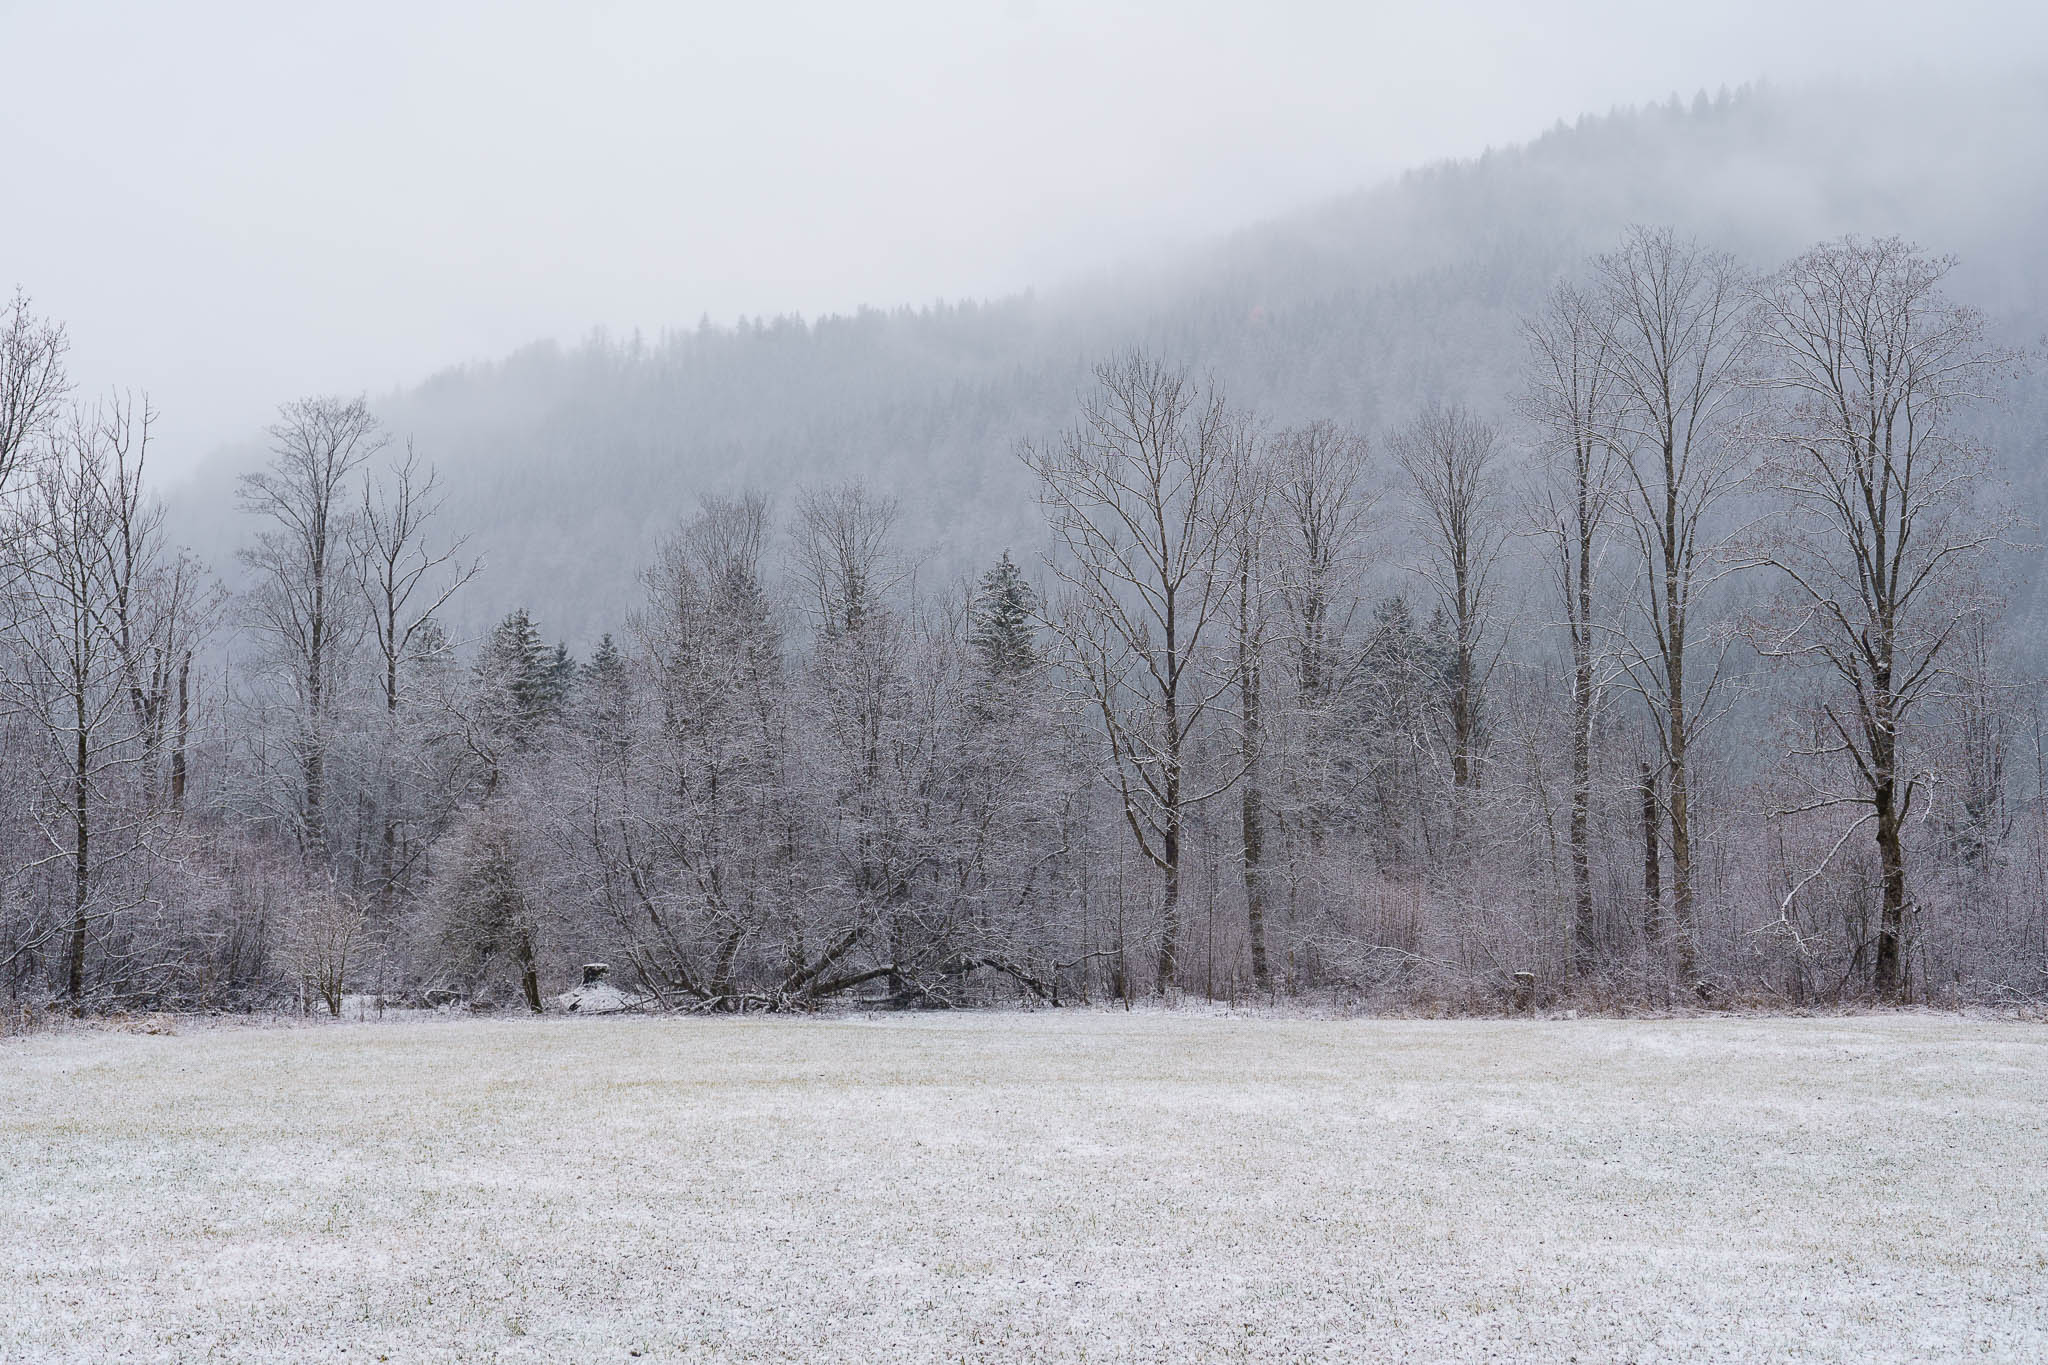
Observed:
{"x":576,"y":458}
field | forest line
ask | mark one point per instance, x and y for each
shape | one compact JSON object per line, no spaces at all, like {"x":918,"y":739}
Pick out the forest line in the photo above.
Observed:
{"x":1205,"y":750}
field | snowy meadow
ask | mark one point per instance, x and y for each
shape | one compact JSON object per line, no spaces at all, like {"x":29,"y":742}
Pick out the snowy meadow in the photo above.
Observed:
{"x":1064,"y":1185}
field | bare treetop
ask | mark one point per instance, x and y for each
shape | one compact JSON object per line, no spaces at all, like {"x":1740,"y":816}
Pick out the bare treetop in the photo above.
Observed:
{"x":33,"y":383}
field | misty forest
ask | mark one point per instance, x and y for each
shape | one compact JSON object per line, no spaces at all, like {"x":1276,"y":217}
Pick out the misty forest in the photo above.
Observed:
{"x":1539,"y":581}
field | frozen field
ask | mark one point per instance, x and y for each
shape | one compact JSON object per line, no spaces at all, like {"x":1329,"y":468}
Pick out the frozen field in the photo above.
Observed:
{"x":1007,"y":1187}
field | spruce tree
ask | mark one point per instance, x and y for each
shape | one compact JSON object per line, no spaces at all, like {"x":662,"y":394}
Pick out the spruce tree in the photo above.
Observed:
{"x":1002,"y":632}
{"x":528,"y":679}
{"x":605,"y":694}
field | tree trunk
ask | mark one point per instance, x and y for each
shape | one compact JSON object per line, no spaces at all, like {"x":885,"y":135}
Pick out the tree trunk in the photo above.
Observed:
{"x":316,"y":799}
{"x":1653,"y":877}
{"x":1253,"y":799}
{"x":184,"y":732}
{"x":1685,"y":928}
{"x":529,"y":974}
{"x":315,"y":720}
{"x":1169,"y":841}
{"x":1585,"y":943}
{"x":387,"y":852}
{"x":1585,"y":932}
{"x":81,"y":867}
{"x":1464,"y":724}
{"x":1169,"y":917}
{"x":1889,"y":975}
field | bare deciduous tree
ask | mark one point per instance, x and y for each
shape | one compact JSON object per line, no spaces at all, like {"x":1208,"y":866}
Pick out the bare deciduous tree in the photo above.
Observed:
{"x":1319,"y":485}
{"x":1677,"y":348}
{"x":404,"y":581}
{"x":324,"y":941}
{"x":842,"y":553}
{"x":1887,"y":514}
{"x":33,"y":383}
{"x":68,"y":669}
{"x":164,"y":604}
{"x":1569,"y":401}
{"x":302,"y":564}
{"x":1144,"y":495}
{"x":1252,"y":628}
{"x":1448,"y":455}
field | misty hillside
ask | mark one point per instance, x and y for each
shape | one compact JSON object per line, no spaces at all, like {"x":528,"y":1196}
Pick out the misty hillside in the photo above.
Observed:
{"x":569,"y":462}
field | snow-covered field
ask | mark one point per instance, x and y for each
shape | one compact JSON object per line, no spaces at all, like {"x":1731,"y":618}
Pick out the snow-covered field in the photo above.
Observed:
{"x":1073,"y":1185}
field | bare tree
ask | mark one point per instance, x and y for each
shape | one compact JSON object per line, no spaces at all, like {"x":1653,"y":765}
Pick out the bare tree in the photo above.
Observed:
{"x":1569,"y":401}
{"x":33,"y":383}
{"x":1886,"y":515}
{"x":163,"y":602}
{"x":1321,"y":503}
{"x":69,"y":673}
{"x":1145,"y":495}
{"x":301,"y":603}
{"x":1676,"y":349}
{"x":842,"y":554}
{"x":1323,"y":500}
{"x":691,"y":862}
{"x":1448,"y":455}
{"x":324,"y":941}
{"x":404,"y":580}
{"x":1252,"y":627}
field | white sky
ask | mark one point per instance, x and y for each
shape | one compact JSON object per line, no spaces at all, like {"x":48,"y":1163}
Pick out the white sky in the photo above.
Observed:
{"x":232,"y":204}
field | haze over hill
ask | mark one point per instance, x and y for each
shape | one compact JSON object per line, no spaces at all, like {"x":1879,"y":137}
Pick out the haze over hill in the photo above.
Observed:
{"x":567,"y":463}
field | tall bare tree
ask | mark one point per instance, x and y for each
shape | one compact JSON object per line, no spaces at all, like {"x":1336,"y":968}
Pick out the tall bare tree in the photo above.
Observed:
{"x":302,"y":602}
{"x":1449,"y":456}
{"x":1322,"y":502}
{"x":1677,"y":348}
{"x":68,"y":674}
{"x":843,"y":556}
{"x":1887,"y":516}
{"x":164,"y":604}
{"x":1569,"y":401}
{"x":405,"y":578}
{"x":1252,"y":626}
{"x":1144,"y":495}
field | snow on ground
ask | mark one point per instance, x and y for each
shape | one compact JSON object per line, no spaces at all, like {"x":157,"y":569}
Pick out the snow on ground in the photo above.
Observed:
{"x":1067,"y":1186}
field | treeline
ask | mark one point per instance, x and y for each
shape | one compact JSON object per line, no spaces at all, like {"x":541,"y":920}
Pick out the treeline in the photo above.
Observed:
{"x":1682,"y":684}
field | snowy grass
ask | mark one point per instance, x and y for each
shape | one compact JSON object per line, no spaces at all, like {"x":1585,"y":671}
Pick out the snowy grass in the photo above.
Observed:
{"x":1073,"y":1185}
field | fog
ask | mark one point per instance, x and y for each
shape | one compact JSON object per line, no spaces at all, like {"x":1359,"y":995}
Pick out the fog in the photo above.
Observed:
{"x":232,"y":204}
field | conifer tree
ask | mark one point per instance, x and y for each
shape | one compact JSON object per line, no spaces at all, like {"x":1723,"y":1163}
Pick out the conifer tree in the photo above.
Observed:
{"x":1003,"y":634}
{"x":526,"y":683}
{"x":606,"y":694}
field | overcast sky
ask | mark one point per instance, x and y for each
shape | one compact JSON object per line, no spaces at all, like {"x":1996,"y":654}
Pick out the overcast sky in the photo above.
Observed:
{"x":231,"y":204}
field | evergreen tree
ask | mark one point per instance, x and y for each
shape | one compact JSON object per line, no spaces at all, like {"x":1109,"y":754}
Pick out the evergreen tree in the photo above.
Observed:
{"x":606,"y":693}
{"x":606,"y":665}
{"x":1002,"y":631}
{"x":558,"y":681}
{"x":525,"y":682}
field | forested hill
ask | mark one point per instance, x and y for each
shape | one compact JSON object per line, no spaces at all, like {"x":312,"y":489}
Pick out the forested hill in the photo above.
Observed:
{"x":567,"y":463}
